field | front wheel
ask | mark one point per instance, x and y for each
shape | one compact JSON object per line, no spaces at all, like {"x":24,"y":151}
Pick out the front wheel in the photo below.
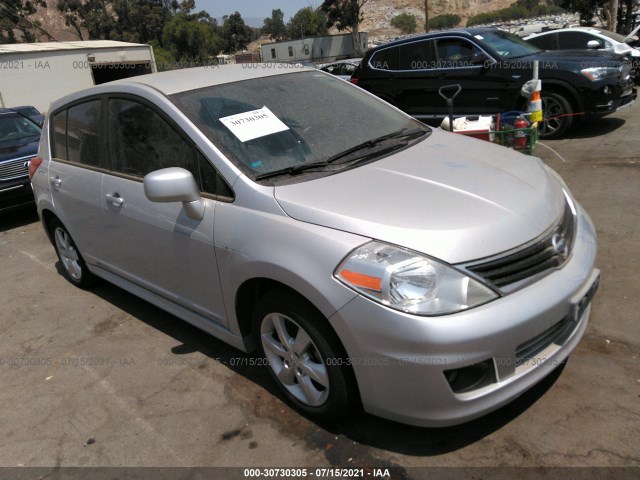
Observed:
{"x":304,"y":357}
{"x":556,"y":115}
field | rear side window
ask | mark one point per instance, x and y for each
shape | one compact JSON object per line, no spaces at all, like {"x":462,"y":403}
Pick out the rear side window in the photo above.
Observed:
{"x":83,"y":133}
{"x":546,"y":42}
{"x":415,"y":56}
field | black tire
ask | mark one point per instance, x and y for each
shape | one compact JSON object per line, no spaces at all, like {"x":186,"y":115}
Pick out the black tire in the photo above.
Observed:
{"x":312,"y":370}
{"x":556,"y":113}
{"x":73,"y":266}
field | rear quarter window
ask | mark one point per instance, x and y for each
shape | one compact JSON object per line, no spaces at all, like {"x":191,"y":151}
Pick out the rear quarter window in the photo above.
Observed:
{"x":385,"y":59}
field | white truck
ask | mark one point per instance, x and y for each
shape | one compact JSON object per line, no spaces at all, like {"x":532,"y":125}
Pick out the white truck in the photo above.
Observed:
{"x":38,"y":73}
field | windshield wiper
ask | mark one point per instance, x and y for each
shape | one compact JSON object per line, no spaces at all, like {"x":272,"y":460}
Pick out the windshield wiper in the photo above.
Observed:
{"x":404,"y":134}
{"x":400,"y":134}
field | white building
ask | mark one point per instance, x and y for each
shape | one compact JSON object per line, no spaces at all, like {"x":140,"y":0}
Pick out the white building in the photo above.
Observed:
{"x":313,"y":49}
{"x":38,"y":73}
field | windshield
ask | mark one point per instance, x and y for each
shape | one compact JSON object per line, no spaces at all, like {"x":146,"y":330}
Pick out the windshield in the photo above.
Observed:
{"x":31,"y":111}
{"x":612,"y":35}
{"x":284,"y":123}
{"x":507,"y":45}
{"x":16,"y":127}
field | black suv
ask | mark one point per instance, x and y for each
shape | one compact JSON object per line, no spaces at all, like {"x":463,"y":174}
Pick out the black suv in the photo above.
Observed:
{"x":19,"y":139}
{"x":491,"y":65}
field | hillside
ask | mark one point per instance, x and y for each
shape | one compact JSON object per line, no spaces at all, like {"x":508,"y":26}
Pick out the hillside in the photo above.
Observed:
{"x":377,"y":14}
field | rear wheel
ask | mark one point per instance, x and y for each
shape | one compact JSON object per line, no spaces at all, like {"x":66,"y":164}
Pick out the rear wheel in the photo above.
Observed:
{"x":304,"y":357}
{"x":73,"y":266}
{"x":556,"y":114}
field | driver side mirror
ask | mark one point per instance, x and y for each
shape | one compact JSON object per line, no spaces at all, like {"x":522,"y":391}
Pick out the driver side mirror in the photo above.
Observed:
{"x":594,"y":44}
{"x":175,"y":185}
{"x":480,"y":58}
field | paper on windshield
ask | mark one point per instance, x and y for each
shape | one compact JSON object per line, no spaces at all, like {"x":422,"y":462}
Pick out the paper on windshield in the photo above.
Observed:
{"x":254,"y":124}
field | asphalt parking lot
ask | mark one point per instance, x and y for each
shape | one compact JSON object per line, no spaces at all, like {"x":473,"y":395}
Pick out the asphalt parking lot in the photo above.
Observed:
{"x":101,"y":378}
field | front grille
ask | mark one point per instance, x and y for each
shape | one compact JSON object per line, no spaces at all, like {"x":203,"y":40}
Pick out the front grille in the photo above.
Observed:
{"x":14,"y":168}
{"x":549,"y":251}
{"x":558,"y":334}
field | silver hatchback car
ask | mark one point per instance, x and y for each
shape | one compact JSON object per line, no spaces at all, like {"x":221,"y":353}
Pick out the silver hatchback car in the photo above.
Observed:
{"x":428,"y":277}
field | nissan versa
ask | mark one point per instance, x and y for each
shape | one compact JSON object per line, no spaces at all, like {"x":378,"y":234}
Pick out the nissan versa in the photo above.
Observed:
{"x":429,"y":277}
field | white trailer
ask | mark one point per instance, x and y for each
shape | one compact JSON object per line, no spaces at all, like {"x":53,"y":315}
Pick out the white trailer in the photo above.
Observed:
{"x":38,"y":73}
{"x":313,"y":49}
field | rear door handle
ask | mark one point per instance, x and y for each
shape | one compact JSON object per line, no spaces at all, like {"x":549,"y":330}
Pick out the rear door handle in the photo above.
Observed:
{"x":55,"y":181}
{"x":115,"y":199}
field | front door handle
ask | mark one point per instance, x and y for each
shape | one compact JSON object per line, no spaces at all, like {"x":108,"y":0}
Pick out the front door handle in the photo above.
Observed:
{"x":55,"y":181}
{"x":115,"y":199}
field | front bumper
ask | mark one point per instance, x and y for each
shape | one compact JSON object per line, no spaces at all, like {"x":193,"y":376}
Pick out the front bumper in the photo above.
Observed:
{"x":605,"y":106}
{"x":15,"y":194}
{"x":400,"y":360}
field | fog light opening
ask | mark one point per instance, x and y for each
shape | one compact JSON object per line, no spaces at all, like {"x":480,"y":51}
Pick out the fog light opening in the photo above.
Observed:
{"x":467,"y":379}
{"x":606,"y":90}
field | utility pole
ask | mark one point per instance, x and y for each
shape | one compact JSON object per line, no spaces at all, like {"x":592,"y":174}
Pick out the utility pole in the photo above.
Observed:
{"x":426,"y":16}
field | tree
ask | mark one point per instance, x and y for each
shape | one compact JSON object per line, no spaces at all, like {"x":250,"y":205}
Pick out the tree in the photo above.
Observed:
{"x":140,"y":21}
{"x":93,"y":15}
{"x":442,"y":22}
{"x":345,"y":15}
{"x":274,"y":26}
{"x":190,"y":40}
{"x":307,"y":22}
{"x":14,"y":16}
{"x":235,"y":33}
{"x":405,"y":22}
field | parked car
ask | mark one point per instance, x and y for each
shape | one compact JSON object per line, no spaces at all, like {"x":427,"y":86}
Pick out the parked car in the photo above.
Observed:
{"x":31,"y":113}
{"x":491,"y":66}
{"x":19,"y":139}
{"x":342,"y":68}
{"x":525,"y":30}
{"x":431,"y":277}
{"x":580,"y":38}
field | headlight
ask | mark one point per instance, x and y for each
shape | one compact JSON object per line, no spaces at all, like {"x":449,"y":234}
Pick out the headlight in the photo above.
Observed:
{"x":410,"y":282}
{"x":599,"y":73}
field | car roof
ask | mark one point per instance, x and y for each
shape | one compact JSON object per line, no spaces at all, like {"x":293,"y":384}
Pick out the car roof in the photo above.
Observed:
{"x":468,"y":32}
{"x":591,"y":30}
{"x":176,"y":81}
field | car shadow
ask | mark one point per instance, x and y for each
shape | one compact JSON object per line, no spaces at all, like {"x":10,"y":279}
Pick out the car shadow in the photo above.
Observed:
{"x":18,"y":218}
{"x":421,"y":441}
{"x":359,"y":427}
{"x":588,"y":128}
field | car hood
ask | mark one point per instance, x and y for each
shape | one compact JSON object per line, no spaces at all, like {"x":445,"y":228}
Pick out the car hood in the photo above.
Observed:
{"x":451,"y":197}
{"x":18,"y":148}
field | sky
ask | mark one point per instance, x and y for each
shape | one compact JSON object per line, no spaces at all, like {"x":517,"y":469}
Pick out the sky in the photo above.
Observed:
{"x":254,"y":9}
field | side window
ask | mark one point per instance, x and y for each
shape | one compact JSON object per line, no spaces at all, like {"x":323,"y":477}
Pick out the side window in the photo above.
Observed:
{"x":291,"y":51}
{"x":546,"y":42}
{"x":59,"y":140}
{"x":456,"y":53}
{"x":569,"y":40}
{"x":385,"y":59}
{"x":416,"y":56}
{"x":211,"y":181}
{"x":141,"y":141}
{"x":273,"y":53}
{"x":83,"y":133}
